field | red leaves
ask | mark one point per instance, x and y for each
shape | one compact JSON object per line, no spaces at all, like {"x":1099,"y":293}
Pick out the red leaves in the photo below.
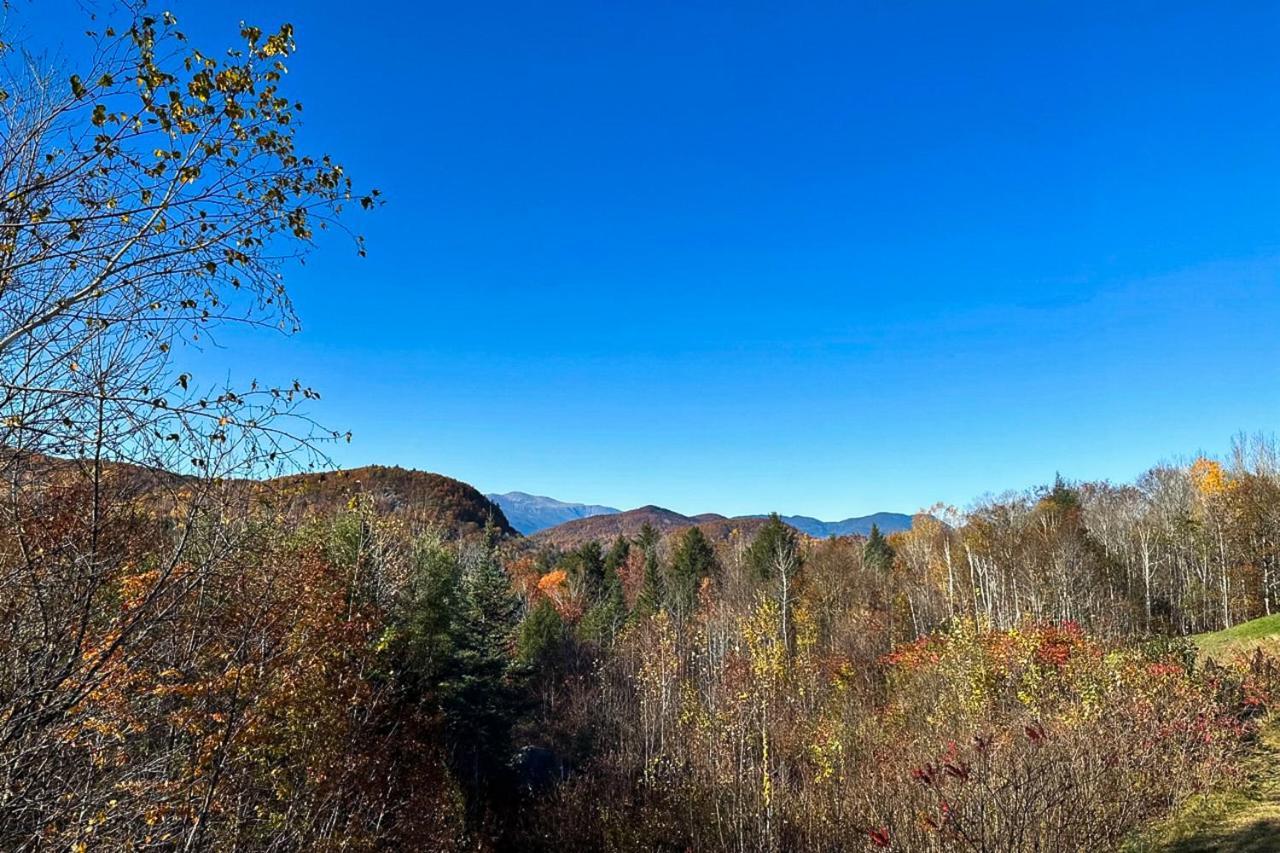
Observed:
{"x":919,"y":653}
{"x":925,"y":775}
{"x":1057,"y":643}
{"x":1164,"y":670}
{"x":879,"y":836}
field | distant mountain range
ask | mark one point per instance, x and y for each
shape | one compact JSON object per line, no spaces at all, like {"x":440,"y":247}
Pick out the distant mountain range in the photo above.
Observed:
{"x":420,"y":497}
{"x":888,"y":522}
{"x":531,"y":513}
{"x":606,"y":528}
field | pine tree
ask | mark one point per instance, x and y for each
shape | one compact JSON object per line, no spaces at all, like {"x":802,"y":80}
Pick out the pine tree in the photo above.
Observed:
{"x":1061,"y":495}
{"x":694,"y":559}
{"x":877,"y":553}
{"x":776,"y":542}
{"x":420,"y":641}
{"x":605,"y":618}
{"x":541,"y":639}
{"x":652,"y":595}
{"x":616,"y":558}
{"x":585,"y":567}
{"x":478,"y":698}
{"x":647,"y":540}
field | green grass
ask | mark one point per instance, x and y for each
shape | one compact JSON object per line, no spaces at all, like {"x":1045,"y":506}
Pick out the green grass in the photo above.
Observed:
{"x":1240,"y":638}
{"x":1246,"y":820}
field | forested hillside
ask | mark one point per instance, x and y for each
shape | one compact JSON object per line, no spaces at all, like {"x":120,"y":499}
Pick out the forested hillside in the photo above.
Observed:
{"x":604,"y":528}
{"x":420,"y":685}
{"x":208,"y":643}
{"x":417,"y":497}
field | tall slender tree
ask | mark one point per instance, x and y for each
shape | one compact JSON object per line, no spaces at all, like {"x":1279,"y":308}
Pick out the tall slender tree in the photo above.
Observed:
{"x":652,"y":593}
{"x":478,"y":695}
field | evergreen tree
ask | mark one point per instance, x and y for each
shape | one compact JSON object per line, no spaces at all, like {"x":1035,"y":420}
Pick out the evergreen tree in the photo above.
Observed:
{"x":1060,"y":496}
{"x":616,"y":558}
{"x":775,"y":542}
{"x":647,"y":540}
{"x":605,"y":618}
{"x":694,"y":559}
{"x":420,"y":638}
{"x":540,"y":644}
{"x":651,"y":597}
{"x":877,"y":553}
{"x":478,"y":698}
{"x":585,"y":567}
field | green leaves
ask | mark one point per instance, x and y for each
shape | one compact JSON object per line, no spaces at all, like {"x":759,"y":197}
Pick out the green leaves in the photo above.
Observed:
{"x":77,"y":86}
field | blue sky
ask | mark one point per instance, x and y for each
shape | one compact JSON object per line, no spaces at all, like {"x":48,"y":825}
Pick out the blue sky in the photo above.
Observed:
{"x":824,"y":258}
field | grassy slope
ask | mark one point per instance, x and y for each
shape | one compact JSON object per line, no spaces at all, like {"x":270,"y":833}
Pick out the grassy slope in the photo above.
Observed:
{"x":1246,"y":821}
{"x":1242,"y":638}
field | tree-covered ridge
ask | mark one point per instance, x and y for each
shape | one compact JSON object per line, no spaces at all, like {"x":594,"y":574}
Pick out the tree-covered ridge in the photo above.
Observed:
{"x":531,"y":514}
{"x":608,"y":527}
{"x":421,"y":497}
{"x":417,"y":498}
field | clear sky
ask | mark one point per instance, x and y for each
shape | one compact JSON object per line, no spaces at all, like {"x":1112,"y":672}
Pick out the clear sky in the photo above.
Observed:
{"x":824,"y":258}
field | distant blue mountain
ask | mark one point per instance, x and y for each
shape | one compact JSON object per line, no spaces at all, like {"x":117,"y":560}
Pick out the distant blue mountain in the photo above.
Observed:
{"x":888,"y":522}
{"x":531,"y":513}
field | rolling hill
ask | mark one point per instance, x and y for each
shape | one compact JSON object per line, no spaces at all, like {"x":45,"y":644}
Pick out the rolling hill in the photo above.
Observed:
{"x":531,"y":514}
{"x":888,"y":522}
{"x":605,"y":528}
{"x":416,"y":496}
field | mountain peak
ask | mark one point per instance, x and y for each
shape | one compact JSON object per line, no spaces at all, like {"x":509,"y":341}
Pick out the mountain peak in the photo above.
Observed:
{"x":531,"y":513}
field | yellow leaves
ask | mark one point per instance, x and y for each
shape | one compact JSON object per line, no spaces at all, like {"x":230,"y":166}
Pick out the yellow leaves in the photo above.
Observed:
{"x":1209,"y":479}
{"x":279,"y":44}
{"x":552,"y":581}
{"x":826,"y":750}
{"x":200,"y":86}
{"x":766,"y":647}
{"x":134,"y":588}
